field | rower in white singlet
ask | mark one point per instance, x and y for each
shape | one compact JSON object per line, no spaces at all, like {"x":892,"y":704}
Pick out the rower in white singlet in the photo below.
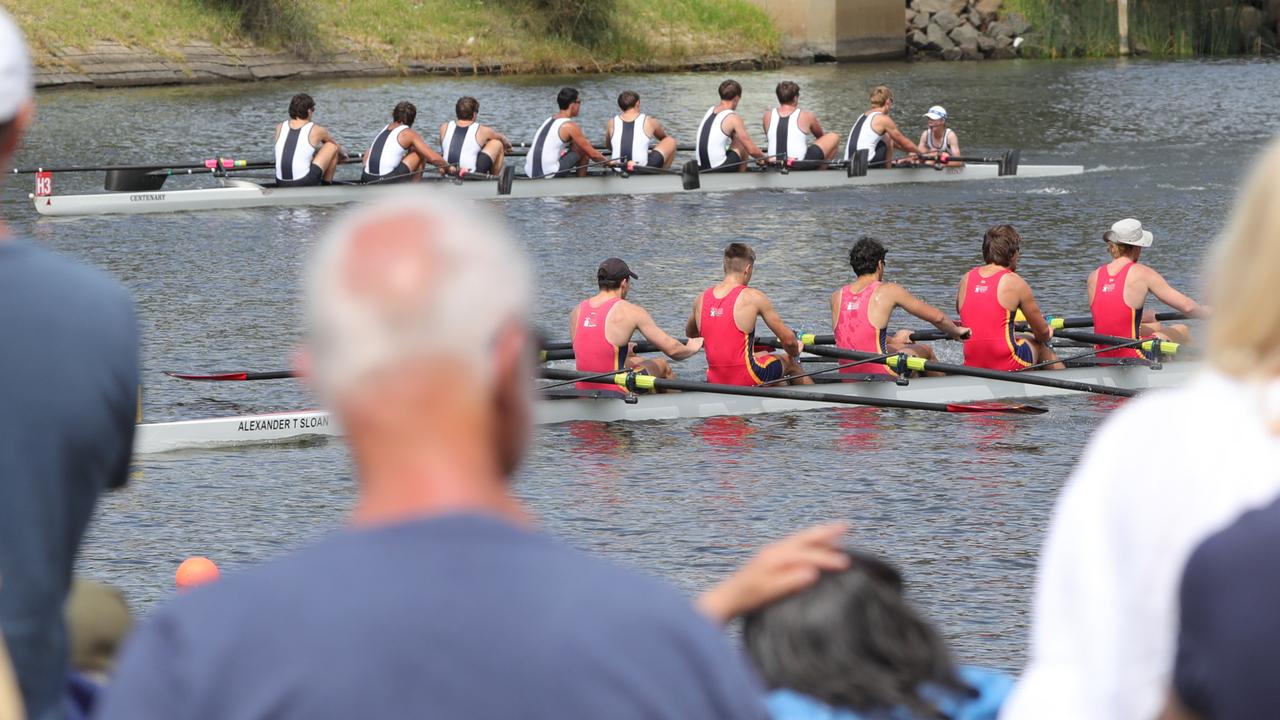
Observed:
{"x":722,"y":138}
{"x":398,"y":153}
{"x":877,"y":133}
{"x":559,"y":147}
{"x":470,"y":146}
{"x":306,"y":154}
{"x":787,"y":126}
{"x":631,"y":135}
{"x":939,"y":138}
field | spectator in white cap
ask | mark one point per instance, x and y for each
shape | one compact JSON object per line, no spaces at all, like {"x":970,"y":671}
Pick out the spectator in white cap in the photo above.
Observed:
{"x":1118,"y":290}
{"x":66,"y":424}
{"x":939,"y":138}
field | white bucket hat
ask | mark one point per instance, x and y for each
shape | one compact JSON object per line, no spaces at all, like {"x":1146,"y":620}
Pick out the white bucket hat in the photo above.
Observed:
{"x":15,"y":69}
{"x":937,"y":112}
{"x":1129,"y":232}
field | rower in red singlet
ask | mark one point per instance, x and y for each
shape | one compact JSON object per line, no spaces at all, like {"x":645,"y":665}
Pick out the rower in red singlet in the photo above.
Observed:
{"x":601,"y":328}
{"x":1118,"y":290}
{"x":990,"y":297}
{"x":860,"y":312}
{"x":725,"y":317}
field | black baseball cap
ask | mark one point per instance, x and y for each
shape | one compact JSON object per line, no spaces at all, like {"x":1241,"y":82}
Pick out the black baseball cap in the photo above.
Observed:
{"x":614,"y":270}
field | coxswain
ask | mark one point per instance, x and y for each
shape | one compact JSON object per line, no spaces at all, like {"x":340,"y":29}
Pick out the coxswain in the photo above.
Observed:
{"x":559,"y":145}
{"x":634,"y":136}
{"x":723,"y":142}
{"x":1118,"y":290}
{"x":398,"y":153}
{"x":786,"y":127}
{"x":938,"y":139}
{"x":860,"y":312}
{"x":725,"y":317}
{"x":470,"y":146}
{"x":990,"y":297}
{"x":306,"y":154}
{"x":877,"y":133}
{"x":601,"y":328}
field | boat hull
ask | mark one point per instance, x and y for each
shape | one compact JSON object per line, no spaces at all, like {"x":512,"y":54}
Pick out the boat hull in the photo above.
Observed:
{"x":240,"y":194}
{"x":296,"y":426}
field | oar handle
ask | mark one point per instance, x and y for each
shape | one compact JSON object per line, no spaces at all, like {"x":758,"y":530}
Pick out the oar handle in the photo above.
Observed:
{"x":1057,"y":323}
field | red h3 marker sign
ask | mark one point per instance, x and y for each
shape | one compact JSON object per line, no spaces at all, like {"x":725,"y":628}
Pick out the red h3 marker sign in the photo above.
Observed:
{"x":44,"y":184}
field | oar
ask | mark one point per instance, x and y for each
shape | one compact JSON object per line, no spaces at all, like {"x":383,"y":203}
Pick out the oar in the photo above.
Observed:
{"x":1057,"y":323}
{"x":529,"y":146}
{"x":634,"y":382}
{"x":231,"y":376}
{"x":1152,"y":345}
{"x":835,"y":368}
{"x":921,"y":365}
{"x":1092,"y":353}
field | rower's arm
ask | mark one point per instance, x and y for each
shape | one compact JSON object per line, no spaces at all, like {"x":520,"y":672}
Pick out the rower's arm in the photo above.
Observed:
{"x":573,"y":324}
{"x":581,"y":144}
{"x":764,"y":123}
{"x":738,"y":130}
{"x":669,"y":346}
{"x":421,"y":147}
{"x":656,"y":130}
{"x":486,"y":133}
{"x":815,"y":127}
{"x":1174,"y":299}
{"x":323,"y":136}
{"x":899,"y":140}
{"x":955,"y":147}
{"x":1031,"y":310}
{"x":608,"y":132}
{"x":691,"y":327}
{"x":444,"y":127}
{"x":774,"y":322}
{"x":926,"y":312}
{"x":835,"y":309}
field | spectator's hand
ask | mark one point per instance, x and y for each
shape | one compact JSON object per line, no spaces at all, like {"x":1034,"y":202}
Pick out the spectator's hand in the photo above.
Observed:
{"x":778,"y":570}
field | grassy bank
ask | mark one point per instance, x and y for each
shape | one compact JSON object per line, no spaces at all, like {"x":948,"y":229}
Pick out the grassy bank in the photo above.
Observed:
{"x":1161,"y":28}
{"x":523,"y":34}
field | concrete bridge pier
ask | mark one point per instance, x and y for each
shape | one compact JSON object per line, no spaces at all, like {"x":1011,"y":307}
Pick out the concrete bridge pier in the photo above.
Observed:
{"x":840,"y":29}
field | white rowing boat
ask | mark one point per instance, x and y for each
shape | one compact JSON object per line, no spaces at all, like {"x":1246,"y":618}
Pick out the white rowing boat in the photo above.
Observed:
{"x":296,"y":426}
{"x":236,"y":194}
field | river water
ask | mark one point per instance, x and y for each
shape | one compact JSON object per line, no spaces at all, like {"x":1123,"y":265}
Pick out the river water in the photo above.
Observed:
{"x":960,"y":503}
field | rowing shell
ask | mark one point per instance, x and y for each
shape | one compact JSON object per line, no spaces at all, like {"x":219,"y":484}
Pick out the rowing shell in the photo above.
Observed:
{"x":236,"y":194}
{"x":295,"y":426}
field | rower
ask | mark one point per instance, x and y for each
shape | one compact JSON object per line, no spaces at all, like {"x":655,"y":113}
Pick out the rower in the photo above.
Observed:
{"x":877,"y":133}
{"x":989,"y":298}
{"x":470,"y":146}
{"x":860,"y":312}
{"x":725,"y":316}
{"x":723,"y":142}
{"x":306,"y":154}
{"x":398,"y":152}
{"x":1118,"y":290}
{"x":631,"y":134}
{"x":786,"y":126}
{"x":939,"y":138}
{"x":601,"y":328}
{"x":559,"y":145}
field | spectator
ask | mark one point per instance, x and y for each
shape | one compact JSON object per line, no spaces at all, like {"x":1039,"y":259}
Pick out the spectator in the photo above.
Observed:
{"x":851,"y":647}
{"x":98,"y":621}
{"x":68,"y":394}
{"x":1105,"y":612}
{"x":441,"y":599}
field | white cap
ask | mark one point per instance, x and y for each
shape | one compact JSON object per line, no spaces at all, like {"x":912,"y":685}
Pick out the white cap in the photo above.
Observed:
{"x":15,"y":69}
{"x":1129,"y":232}
{"x":937,"y":112}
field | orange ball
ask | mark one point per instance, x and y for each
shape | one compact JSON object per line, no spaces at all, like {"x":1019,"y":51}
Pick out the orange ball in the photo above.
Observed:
{"x":196,"y":571}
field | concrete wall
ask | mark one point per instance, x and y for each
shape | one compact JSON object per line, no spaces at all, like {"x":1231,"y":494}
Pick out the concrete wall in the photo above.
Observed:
{"x":840,"y":29}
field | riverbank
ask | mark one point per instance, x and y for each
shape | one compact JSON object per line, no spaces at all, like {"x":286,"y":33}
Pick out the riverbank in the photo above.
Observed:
{"x":191,"y":41}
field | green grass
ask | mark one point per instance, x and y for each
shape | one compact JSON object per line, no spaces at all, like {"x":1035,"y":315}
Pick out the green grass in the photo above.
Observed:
{"x":1165,"y":28}
{"x":398,"y":31}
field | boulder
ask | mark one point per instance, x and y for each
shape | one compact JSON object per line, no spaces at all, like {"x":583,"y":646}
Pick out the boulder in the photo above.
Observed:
{"x":946,"y":20}
{"x":989,"y":9}
{"x":1271,"y":12}
{"x":1017,"y":23}
{"x":965,"y":36}
{"x":1003,"y":41}
{"x":911,"y":15}
{"x":1000,"y":29}
{"x":937,"y":40}
{"x":1004,"y":53}
{"x":920,"y":21}
{"x":958,"y":6}
{"x":918,"y":39}
{"x":986,"y":44}
{"x":970,"y":53}
{"x":929,"y":7}
{"x":954,"y":53}
{"x":1249,"y":20}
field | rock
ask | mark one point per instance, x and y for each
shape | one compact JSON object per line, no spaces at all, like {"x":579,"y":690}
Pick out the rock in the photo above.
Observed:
{"x":1271,"y":12}
{"x":986,"y":44}
{"x":1017,"y":23}
{"x":965,"y":36}
{"x":958,"y":6}
{"x":988,"y":9}
{"x":911,"y":15}
{"x":929,"y":7}
{"x":954,"y":53}
{"x":1003,"y":41}
{"x":946,"y":20}
{"x":937,"y":40}
{"x":1003,"y":53}
{"x":1268,"y":39}
{"x":920,"y":22}
{"x":918,"y":39}
{"x":1000,"y":29}
{"x":1139,"y":48}
{"x":1249,"y":20}
{"x":970,"y":53}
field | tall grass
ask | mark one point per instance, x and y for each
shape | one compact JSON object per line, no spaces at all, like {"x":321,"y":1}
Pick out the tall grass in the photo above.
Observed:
{"x":1163,"y":28}
{"x":288,"y":24}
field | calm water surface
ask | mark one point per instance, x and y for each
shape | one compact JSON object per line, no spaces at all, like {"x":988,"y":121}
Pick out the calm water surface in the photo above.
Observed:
{"x":959,"y":502}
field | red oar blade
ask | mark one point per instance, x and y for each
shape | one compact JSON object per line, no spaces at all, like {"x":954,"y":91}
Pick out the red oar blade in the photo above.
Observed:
{"x":996,"y":407}
{"x":232,"y":376}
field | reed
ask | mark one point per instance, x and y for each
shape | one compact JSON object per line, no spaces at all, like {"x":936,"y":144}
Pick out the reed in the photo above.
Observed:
{"x":1162,"y":28}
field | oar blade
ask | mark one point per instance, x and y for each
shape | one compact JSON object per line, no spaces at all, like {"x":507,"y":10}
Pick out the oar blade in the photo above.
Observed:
{"x":208,"y":377}
{"x":992,"y":406}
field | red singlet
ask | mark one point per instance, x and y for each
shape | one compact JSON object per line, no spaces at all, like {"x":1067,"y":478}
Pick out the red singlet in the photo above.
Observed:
{"x":855,"y":331}
{"x":1111,"y":314}
{"x":592,"y":351}
{"x":991,"y":342}
{"x":731,"y":359}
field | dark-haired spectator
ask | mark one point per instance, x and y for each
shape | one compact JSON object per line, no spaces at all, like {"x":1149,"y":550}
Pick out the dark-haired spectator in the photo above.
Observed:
{"x":68,"y":401}
{"x":851,"y":647}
